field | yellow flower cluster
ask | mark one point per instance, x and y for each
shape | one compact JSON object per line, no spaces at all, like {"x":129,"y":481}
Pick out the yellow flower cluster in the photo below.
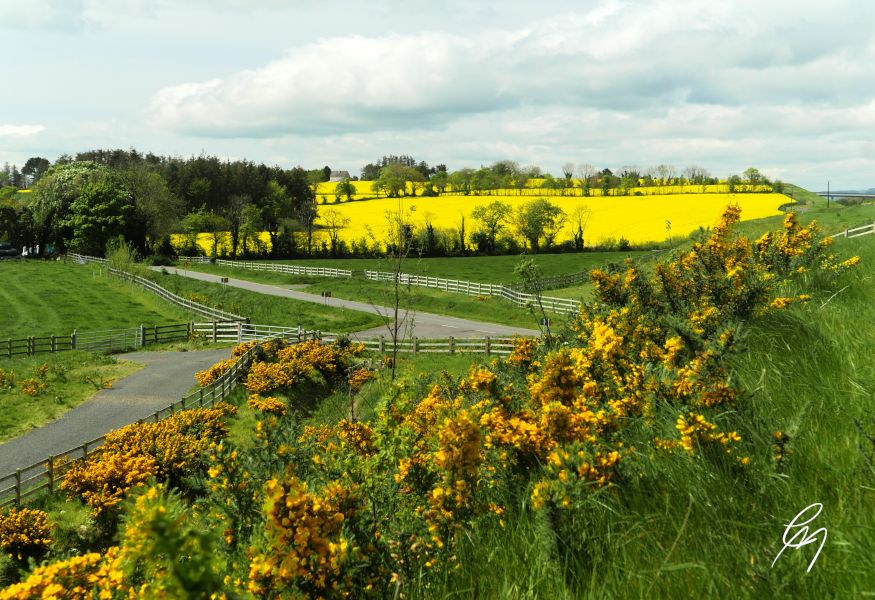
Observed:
{"x":306,"y":546}
{"x":205,"y":378}
{"x":32,"y":386}
{"x":7,"y":379}
{"x":79,"y":578}
{"x":270,"y":405}
{"x":131,"y":455}
{"x":523,"y":353}
{"x":25,"y":532}
{"x":298,"y":362}
{"x":360,"y":377}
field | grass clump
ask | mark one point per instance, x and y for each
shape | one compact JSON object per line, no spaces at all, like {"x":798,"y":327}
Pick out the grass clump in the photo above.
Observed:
{"x":39,"y":389}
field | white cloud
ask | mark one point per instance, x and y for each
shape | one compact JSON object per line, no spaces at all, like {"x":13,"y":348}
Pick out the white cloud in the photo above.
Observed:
{"x":626,"y":56}
{"x":20,"y":130}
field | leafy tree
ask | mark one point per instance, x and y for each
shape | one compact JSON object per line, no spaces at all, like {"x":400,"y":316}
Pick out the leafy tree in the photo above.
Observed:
{"x":733,"y":182}
{"x":205,"y":221}
{"x":393,"y":179}
{"x":250,"y":226}
{"x":539,"y":219}
{"x":334,"y":222}
{"x":34,"y":168}
{"x":306,"y":214}
{"x":753,"y":177}
{"x":494,"y":217}
{"x":158,"y":210}
{"x":579,"y":219}
{"x":53,"y":195}
{"x":461,"y":181}
{"x":276,"y":206}
{"x":98,"y":214}
{"x":344,"y":188}
{"x":439,"y":181}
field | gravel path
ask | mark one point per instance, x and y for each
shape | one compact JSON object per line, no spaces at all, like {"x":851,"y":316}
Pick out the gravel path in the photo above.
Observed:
{"x":425,"y":325}
{"x":166,"y":377}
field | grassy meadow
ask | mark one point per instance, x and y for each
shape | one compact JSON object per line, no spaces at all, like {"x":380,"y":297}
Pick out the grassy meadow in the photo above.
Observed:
{"x":38,"y":389}
{"x":658,"y":450}
{"x":266,"y":310}
{"x":42,"y":298}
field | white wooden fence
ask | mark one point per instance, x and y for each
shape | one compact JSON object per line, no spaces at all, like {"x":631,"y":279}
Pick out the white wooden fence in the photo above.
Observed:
{"x":273,"y":267}
{"x":196,"y":307}
{"x":46,"y":475}
{"x":856,"y":231}
{"x":557,"y":305}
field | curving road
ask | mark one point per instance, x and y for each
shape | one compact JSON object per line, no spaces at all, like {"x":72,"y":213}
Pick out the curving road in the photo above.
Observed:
{"x":425,"y":325}
{"x":167,"y":377}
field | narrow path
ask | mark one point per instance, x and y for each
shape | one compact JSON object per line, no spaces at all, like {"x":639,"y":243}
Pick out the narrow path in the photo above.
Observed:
{"x":165,"y":379}
{"x":424,"y":325}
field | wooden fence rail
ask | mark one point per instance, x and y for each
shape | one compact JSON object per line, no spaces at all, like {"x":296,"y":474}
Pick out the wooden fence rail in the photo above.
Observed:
{"x":558,"y":305}
{"x":273,"y":267}
{"x":45,"y":475}
{"x":856,"y":231}
{"x":102,"y":342}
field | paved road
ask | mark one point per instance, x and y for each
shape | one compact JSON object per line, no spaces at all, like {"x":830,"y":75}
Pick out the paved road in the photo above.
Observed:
{"x":165,"y":379}
{"x":425,"y":325}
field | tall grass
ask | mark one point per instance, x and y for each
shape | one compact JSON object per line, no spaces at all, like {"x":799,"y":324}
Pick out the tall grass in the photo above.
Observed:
{"x":691,"y":528}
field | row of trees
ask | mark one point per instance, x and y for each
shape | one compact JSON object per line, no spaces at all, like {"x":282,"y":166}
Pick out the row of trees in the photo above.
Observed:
{"x":395,"y":176}
{"x":82,"y":202}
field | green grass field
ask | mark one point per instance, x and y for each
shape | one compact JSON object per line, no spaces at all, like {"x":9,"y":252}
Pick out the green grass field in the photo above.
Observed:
{"x":485,"y":269}
{"x":267,"y":310}
{"x":422,"y":299}
{"x":70,"y":379}
{"x":41,"y":298}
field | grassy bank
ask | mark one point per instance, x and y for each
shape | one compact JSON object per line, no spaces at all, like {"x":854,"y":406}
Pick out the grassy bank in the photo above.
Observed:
{"x":61,"y":382}
{"x":485,"y":269}
{"x":417,"y":298}
{"x":264,"y":309}
{"x":42,"y":298}
{"x":706,"y":533}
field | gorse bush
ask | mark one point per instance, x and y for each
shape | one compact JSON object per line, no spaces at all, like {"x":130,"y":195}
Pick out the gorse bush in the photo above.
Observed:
{"x":638,"y":385}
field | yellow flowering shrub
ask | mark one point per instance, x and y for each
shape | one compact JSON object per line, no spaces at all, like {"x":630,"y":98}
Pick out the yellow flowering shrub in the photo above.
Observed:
{"x":306,"y":548}
{"x":78,"y":578}
{"x":168,"y":450}
{"x":205,"y":378}
{"x":24,"y":533}
{"x":360,"y":377}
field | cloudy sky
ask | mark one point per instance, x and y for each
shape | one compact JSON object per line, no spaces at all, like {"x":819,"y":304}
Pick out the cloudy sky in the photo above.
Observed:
{"x":787,"y":86}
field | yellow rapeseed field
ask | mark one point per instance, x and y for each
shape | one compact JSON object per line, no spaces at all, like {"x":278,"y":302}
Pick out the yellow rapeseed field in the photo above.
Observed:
{"x":635,"y":218}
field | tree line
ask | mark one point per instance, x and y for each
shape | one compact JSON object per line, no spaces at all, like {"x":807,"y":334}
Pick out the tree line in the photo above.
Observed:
{"x":83,"y":202}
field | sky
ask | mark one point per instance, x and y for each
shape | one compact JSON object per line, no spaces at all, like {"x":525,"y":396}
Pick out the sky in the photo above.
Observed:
{"x":784,"y":86}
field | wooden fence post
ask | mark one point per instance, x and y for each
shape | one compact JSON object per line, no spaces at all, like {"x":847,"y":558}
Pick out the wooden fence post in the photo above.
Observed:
{"x":9,"y":346}
{"x":215,"y":331}
{"x":487,"y":346}
{"x":73,"y":340}
{"x":200,"y":399}
{"x":452,"y":345}
{"x":85,"y":450}
{"x":54,"y":344}
{"x":239,"y":332}
{"x":382,"y":343}
{"x":156,"y":334}
{"x":415,"y":345}
{"x":50,"y":469}
{"x":30,"y":346}
{"x":141,"y":333}
{"x":17,"y":487}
